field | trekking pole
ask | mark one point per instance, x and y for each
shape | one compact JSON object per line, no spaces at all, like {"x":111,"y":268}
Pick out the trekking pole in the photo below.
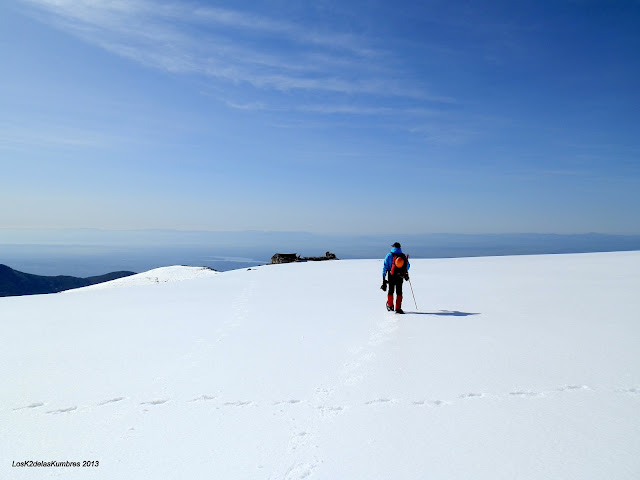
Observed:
{"x":414,"y":297}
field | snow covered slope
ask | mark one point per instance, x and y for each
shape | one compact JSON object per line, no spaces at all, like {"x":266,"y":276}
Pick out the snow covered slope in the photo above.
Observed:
{"x":176,"y":273}
{"x":511,"y":367}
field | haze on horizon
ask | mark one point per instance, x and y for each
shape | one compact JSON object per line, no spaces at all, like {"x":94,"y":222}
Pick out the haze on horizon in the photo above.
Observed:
{"x":357,"y":118}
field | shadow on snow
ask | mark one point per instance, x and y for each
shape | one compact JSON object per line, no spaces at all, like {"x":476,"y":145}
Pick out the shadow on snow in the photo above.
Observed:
{"x":445,"y":313}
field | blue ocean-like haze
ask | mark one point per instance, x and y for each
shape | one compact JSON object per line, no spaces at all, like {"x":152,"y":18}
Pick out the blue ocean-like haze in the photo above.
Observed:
{"x":93,"y":252}
{"x":86,"y":261}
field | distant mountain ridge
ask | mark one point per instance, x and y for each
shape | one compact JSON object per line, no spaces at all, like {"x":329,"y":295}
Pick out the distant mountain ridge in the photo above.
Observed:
{"x":15,"y":283}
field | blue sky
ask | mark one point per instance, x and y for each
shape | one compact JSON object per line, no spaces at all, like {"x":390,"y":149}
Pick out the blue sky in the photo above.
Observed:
{"x":328,"y":117}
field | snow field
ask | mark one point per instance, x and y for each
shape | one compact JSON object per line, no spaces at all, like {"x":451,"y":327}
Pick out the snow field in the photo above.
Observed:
{"x":512,"y":367}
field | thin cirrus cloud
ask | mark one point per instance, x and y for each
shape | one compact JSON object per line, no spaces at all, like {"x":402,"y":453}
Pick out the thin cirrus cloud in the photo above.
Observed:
{"x":232,"y":46}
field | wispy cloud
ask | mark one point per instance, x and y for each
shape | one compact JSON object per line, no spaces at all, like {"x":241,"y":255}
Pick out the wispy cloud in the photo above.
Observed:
{"x":255,"y":23}
{"x":341,"y":110}
{"x":251,"y":106}
{"x":232,"y":46}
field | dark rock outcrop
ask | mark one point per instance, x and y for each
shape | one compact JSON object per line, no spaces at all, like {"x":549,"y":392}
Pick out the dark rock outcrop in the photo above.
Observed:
{"x":327,"y":256}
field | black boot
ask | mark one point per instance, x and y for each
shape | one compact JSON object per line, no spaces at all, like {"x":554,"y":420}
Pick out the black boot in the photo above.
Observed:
{"x":399,"y":304}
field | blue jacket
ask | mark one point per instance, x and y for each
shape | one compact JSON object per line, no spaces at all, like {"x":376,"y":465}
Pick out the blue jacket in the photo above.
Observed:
{"x":388,"y":261}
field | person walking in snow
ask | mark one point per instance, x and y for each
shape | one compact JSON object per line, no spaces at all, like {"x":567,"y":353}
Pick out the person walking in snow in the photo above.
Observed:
{"x":396,"y":264}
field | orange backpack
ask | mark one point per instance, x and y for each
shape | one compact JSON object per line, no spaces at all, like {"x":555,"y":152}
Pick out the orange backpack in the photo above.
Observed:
{"x":399,"y":264}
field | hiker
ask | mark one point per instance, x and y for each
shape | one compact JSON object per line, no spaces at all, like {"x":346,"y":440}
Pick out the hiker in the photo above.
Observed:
{"x":396,"y":264}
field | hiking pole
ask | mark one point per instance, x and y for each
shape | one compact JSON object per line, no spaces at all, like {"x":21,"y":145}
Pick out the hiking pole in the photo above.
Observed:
{"x":414,"y":297}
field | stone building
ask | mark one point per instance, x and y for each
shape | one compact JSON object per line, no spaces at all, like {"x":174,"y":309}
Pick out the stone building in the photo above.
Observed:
{"x":285,"y":258}
{"x":293,"y":257}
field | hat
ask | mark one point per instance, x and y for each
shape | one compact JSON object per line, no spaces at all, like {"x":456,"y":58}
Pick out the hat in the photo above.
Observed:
{"x":396,"y":245}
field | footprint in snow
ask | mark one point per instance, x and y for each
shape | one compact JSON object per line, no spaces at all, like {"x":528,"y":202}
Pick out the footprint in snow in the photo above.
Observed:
{"x":300,"y":471}
{"x":203,"y":398}
{"x":238,"y":404}
{"x":631,"y":391}
{"x":32,"y":405}
{"x":113,"y":400}
{"x":379,"y":401}
{"x":63,"y":410}
{"x":154,"y":402}
{"x":430,"y":403}
{"x":573,"y":387}
{"x":287,"y":402}
{"x":472,"y":395}
{"x":525,"y":393}
{"x":329,"y":411}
